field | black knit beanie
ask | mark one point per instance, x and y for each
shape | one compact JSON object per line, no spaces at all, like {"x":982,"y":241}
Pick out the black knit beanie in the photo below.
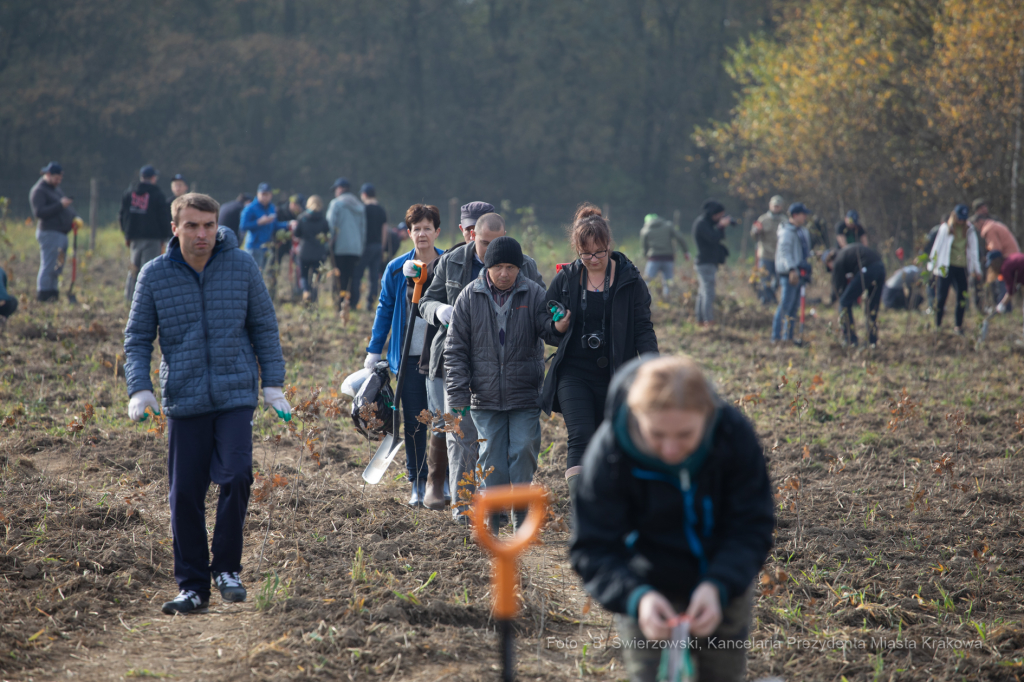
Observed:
{"x":503,"y":250}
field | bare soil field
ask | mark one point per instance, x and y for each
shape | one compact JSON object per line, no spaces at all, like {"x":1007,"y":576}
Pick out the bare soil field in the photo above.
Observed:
{"x":898,"y":553}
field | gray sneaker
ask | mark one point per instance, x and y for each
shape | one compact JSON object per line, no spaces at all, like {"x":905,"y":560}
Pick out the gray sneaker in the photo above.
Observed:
{"x":230,"y":586}
{"x":187,"y":601}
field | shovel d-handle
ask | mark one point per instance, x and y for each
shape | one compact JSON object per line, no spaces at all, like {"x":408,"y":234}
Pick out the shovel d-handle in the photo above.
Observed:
{"x":505,"y":552}
{"x":418,"y":282}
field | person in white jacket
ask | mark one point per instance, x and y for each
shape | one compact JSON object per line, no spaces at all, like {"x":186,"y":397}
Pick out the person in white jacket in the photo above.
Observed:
{"x":954,"y":258}
{"x":789,"y":254}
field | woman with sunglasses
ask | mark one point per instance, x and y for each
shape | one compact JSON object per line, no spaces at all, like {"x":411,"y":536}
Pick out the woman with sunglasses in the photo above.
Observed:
{"x":606,"y":323}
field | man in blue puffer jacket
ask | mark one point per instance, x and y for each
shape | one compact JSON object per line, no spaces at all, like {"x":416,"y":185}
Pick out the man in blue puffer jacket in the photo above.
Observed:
{"x":218,"y":334}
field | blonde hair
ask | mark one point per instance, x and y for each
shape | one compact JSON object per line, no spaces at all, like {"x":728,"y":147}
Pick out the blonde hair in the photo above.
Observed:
{"x":670,"y":383}
{"x":315,"y":203}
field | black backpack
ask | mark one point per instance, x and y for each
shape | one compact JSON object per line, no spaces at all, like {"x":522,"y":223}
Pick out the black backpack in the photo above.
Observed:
{"x":374,"y":404}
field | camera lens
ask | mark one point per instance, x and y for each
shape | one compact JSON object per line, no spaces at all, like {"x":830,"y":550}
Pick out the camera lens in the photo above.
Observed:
{"x":593,"y":341}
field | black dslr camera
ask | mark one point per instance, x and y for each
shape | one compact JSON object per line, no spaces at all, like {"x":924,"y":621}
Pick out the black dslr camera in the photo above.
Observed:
{"x":593,"y":340}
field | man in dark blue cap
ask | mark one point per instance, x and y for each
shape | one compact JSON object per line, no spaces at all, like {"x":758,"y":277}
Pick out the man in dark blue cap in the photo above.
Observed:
{"x":55,"y":219}
{"x":709,"y":235}
{"x":179,"y":186}
{"x":146,"y":223}
{"x":377,"y":231}
{"x":347,"y":217}
{"x":259,"y":221}
{"x":850,"y":231}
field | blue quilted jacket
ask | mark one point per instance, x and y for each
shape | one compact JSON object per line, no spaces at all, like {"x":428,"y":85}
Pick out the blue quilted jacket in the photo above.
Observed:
{"x":216,"y":331}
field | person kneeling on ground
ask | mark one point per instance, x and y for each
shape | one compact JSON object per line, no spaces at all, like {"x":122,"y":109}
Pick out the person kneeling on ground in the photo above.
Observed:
{"x":218,"y":335}
{"x":494,"y":364}
{"x":667,"y":445}
{"x":901,"y":291}
{"x":856,"y":270}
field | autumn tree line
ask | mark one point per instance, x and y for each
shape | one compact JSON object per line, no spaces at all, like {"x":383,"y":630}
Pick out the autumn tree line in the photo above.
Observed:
{"x":899,"y":109}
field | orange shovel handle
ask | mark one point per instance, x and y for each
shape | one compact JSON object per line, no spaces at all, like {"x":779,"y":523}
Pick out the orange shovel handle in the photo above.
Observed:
{"x":493,"y":500}
{"x":417,"y":290}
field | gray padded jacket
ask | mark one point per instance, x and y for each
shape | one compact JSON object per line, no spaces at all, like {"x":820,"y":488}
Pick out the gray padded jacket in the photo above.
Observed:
{"x":479,"y":371}
{"x":451,"y":276}
{"x":217,"y":331}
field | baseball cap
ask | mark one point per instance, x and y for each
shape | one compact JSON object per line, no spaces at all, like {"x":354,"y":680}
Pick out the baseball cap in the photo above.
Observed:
{"x":179,"y":176}
{"x":368,"y":189}
{"x":472,"y":211}
{"x":264,"y":187}
{"x":991,"y":256}
{"x":978,"y":203}
{"x":341,"y":182}
{"x":853,"y":215}
{"x":797,"y":207}
{"x":777,"y":200}
{"x":297,"y":199}
{"x":52,"y":167}
{"x":962,"y":211}
{"x":148,"y":172}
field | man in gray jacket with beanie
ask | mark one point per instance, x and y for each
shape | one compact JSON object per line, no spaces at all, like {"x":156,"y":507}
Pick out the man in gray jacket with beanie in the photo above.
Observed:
{"x":218,"y":337}
{"x":56,"y":218}
{"x":494,"y":363}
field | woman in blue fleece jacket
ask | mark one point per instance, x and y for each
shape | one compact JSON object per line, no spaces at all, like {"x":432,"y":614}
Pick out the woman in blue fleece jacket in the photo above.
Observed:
{"x":674,"y":514}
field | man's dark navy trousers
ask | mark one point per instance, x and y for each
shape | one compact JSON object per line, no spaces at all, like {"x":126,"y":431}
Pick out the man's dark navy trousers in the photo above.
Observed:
{"x":214,"y":447}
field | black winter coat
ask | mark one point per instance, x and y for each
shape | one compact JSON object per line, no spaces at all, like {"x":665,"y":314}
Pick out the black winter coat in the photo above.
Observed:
{"x":641,"y":527}
{"x":311,"y":226}
{"x":630,"y":333}
{"x":710,"y":247}
{"x":145,"y":213}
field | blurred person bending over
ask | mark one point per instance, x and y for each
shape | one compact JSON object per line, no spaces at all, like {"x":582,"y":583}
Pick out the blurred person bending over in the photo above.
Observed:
{"x":392,"y":314}
{"x":902,"y":290}
{"x":674,"y":514}
{"x":372,"y":260}
{"x":218,"y":337}
{"x":454,"y":271}
{"x":765,"y":230}
{"x":347,"y":217}
{"x":607,"y":323}
{"x":857,"y":270}
{"x":998,"y":239}
{"x":55,"y":219}
{"x":709,"y":235}
{"x":146,"y":224}
{"x":659,"y":239}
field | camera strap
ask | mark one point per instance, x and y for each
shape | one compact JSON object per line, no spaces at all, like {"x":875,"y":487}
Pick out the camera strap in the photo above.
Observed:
{"x":602,"y":362}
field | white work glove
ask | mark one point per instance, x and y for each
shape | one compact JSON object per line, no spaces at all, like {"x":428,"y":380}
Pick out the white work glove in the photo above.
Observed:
{"x":371,"y":360}
{"x":444,"y":313}
{"x":1001,"y":308}
{"x":410,"y":269}
{"x":138,"y":403}
{"x":274,"y":397}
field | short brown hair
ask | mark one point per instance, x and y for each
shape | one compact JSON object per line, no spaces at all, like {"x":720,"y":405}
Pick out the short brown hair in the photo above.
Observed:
{"x":492,"y":222}
{"x":200,"y":202}
{"x":670,"y":383}
{"x":589,"y":226}
{"x":418,"y":212}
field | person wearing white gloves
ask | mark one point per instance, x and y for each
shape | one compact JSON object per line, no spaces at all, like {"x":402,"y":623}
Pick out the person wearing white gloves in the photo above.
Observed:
{"x":424,"y":223}
{"x":218,"y":337}
{"x":453,"y":272}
